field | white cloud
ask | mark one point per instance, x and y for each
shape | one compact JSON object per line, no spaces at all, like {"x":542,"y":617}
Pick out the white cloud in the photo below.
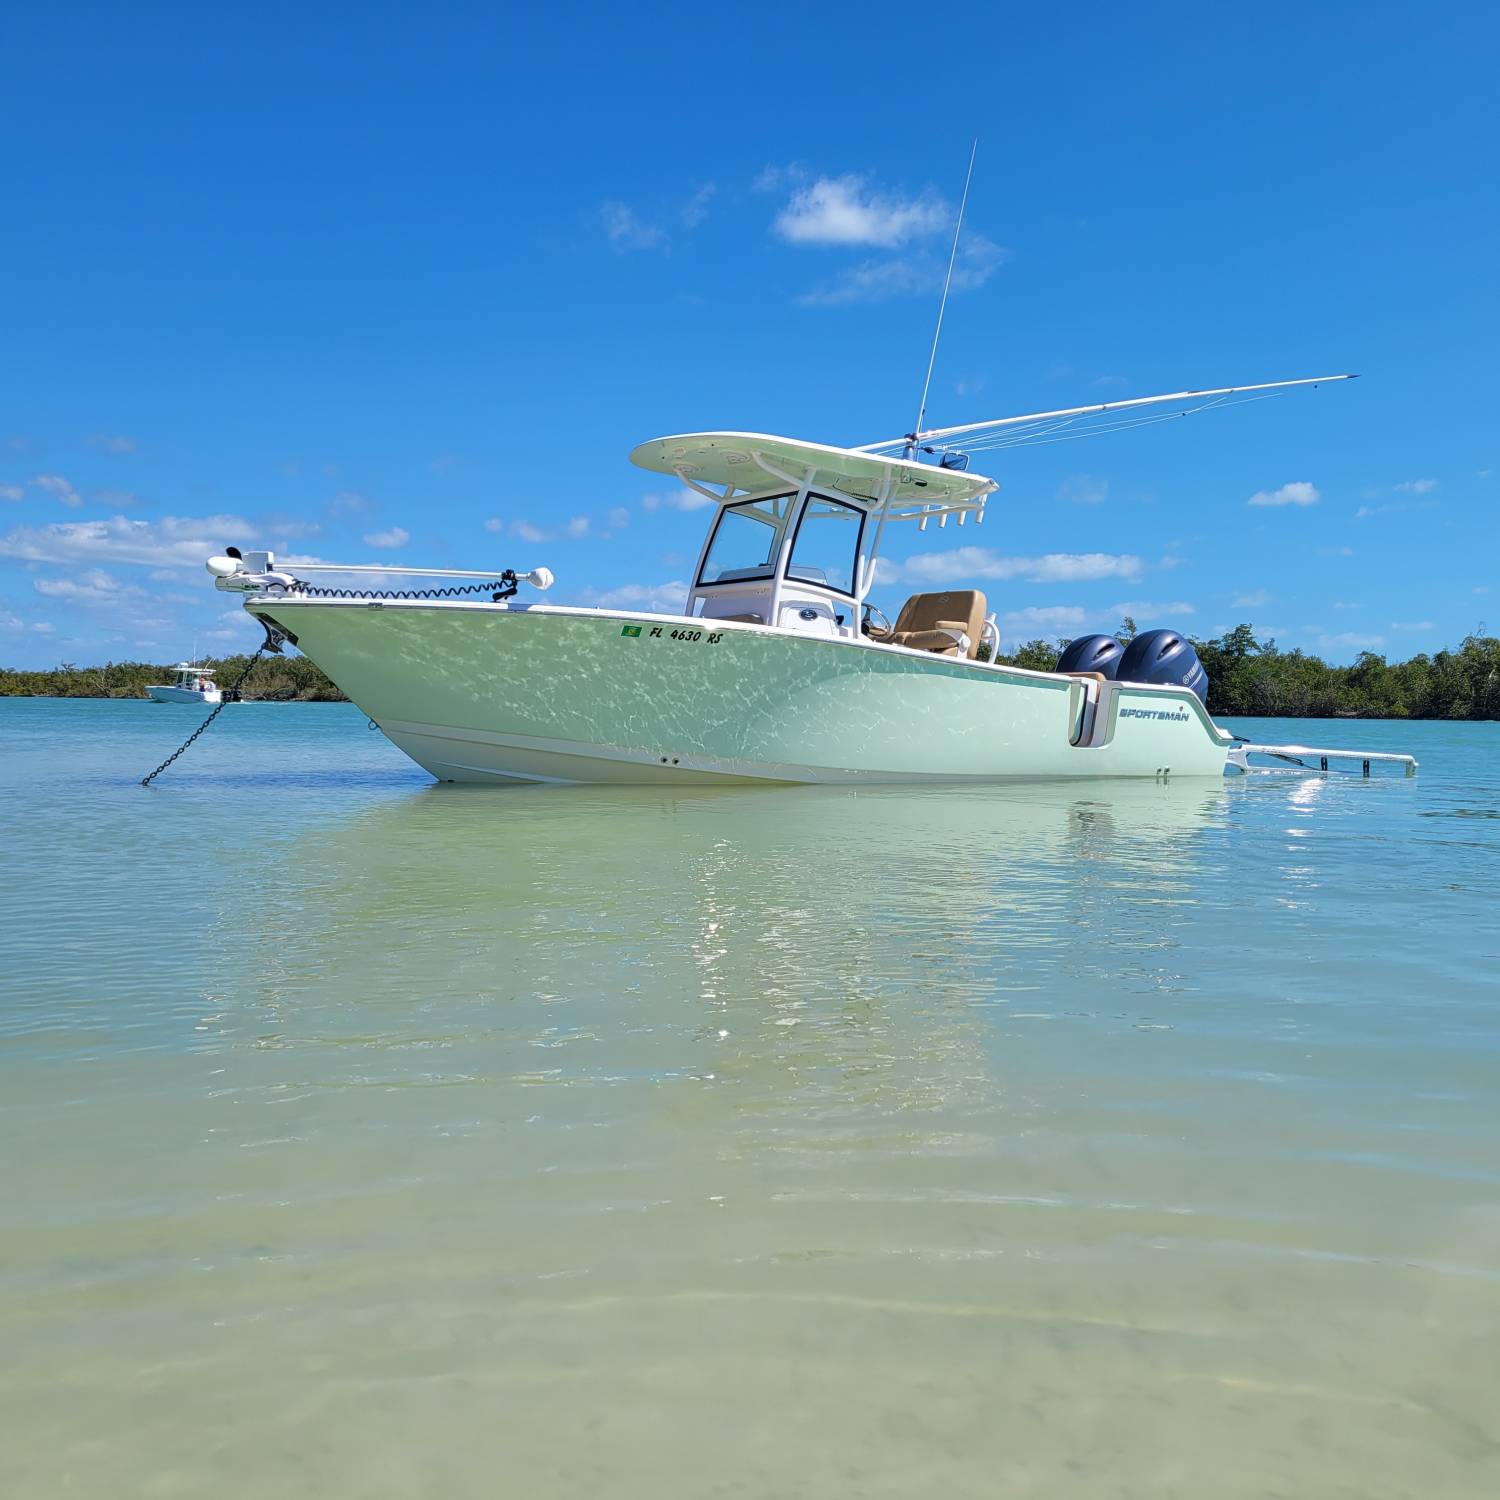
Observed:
{"x":115,"y":499}
{"x":1059,"y":619}
{"x":683,"y":499}
{"x":1480,"y":589}
{"x":93,"y":586}
{"x":1298,"y":492}
{"x":237,"y":623}
{"x":1252,"y":600}
{"x":350,"y":503}
{"x":1345,"y":604}
{"x":287,"y":529}
{"x":576,"y":527}
{"x":173,"y":541}
{"x":394,"y":536}
{"x":44,"y":627}
{"x":773,"y":179}
{"x":618,"y":517}
{"x":651,"y":599}
{"x":980,"y":562}
{"x":12,"y":492}
{"x":920,"y":274}
{"x":1395,"y":507}
{"x":1349,"y":640}
{"x":528,"y":531}
{"x":59,"y":488}
{"x":1083,"y":489}
{"x":874,"y":281}
{"x":849,"y":211}
{"x":1413,"y":625}
{"x":106,"y":443}
{"x":1073,"y":619}
{"x":626,"y":231}
{"x":1148,"y":609}
{"x":695,"y":210}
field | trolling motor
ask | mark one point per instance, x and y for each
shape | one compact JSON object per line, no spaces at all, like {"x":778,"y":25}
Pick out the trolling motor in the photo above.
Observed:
{"x":237,"y":574}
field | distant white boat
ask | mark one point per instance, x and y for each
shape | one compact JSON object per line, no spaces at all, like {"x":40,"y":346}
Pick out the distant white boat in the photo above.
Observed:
{"x":191,"y":684}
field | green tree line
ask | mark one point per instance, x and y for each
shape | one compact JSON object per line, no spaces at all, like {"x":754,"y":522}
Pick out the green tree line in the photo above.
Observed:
{"x":1248,"y":677}
{"x":280,"y":679}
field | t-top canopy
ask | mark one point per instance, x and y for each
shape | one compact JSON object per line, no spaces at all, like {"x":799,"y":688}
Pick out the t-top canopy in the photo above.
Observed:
{"x":754,"y":461}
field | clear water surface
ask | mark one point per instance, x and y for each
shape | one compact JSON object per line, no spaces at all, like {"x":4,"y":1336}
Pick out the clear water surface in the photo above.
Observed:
{"x":366,"y":1137}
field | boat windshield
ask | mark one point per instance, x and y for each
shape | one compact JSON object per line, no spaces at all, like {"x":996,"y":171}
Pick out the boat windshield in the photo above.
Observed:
{"x":746,"y":540}
{"x":827,"y":544}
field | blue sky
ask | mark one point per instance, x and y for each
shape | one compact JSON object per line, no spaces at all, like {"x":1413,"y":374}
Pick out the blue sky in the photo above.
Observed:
{"x":408,"y":283}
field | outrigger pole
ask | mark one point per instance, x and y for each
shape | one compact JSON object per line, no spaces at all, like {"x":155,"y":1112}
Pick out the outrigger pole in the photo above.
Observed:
{"x":911,"y":440}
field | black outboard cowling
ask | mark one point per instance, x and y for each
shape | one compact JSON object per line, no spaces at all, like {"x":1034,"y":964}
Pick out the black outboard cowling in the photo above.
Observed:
{"x":1163,"y":657}
{"x":1092,"y":653}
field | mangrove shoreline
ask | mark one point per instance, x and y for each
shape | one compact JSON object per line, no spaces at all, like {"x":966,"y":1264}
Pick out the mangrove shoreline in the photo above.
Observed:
{"x":1247,"y":678}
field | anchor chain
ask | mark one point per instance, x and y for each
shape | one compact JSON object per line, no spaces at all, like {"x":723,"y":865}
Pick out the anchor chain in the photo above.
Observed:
{"x":228,"y":696}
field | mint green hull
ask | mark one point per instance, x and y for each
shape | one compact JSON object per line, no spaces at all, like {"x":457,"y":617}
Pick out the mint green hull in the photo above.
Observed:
{"x":479,"y":693}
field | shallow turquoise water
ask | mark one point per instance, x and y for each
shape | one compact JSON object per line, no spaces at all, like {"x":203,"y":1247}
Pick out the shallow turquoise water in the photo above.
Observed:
{"x":367,"y":1137}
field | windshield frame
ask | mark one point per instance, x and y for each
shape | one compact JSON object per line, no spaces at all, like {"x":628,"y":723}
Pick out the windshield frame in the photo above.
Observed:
{"x":852,"y":592}
{"x":749,"y":576}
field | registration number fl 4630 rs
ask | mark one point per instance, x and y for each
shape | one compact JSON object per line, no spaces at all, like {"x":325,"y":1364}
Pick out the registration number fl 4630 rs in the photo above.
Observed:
{"x":674,"y":633}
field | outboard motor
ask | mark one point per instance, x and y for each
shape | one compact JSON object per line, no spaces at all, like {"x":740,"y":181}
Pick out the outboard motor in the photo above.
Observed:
{"x":1092,"y":653}
{"x":1163,"y":657}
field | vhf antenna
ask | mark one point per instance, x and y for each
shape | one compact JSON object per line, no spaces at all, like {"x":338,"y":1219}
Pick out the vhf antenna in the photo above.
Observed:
{"x":937,"y":333}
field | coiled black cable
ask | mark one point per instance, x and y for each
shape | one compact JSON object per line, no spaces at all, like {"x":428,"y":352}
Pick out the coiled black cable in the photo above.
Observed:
{"x":499,"y":588}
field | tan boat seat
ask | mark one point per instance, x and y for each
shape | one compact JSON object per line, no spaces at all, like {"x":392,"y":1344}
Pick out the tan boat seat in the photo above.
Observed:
{"x":929,"y":622}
